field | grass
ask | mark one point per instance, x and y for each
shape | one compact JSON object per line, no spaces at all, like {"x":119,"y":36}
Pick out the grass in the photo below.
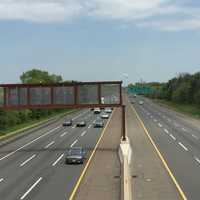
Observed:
{"x":189,"y":109}
{"x":31,"y":123}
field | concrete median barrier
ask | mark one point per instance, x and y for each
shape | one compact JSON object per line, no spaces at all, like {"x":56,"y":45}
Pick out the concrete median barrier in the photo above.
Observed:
{"x":125,"y":152}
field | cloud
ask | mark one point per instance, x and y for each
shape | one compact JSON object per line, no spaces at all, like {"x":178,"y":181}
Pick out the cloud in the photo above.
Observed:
{"x":167,"y":15}
{"x":39,"y":10}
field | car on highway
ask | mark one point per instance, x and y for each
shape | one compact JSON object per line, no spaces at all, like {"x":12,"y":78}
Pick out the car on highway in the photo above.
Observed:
{"x":81,"y":123}
{"x":67,"y":123}
{"x":75,"y":155}
{"x":98,"y":123}
{"x":132,"y":101}
{"x":141,"y":102}
{"x":108,"y":110}
{"x":97,"y":110}
{"x":104,"y":115}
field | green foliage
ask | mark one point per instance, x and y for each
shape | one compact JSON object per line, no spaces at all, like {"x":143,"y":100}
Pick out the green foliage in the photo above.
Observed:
{"x":9,"y":119}
{"x":183,"y":89}
{"x":39,"y":76}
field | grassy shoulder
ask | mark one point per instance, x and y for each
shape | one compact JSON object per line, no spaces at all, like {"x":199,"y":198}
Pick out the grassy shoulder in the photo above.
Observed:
{"x":31,"y":124}
{"x":189,"y":109}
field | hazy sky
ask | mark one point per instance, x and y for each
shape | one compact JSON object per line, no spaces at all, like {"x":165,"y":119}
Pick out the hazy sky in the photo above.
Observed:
{"x":100,"y":39}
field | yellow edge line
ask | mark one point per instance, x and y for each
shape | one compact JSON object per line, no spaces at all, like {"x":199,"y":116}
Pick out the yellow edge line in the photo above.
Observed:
{"x":161,"y":157}
{"x":89,"y":160}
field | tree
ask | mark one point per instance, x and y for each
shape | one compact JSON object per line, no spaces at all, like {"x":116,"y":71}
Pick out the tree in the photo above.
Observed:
{"x":39,"y":76}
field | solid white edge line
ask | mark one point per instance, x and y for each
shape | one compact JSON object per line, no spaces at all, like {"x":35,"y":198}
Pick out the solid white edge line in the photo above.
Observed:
{"x":48,"y":145}
{"x":183,"y":146}
{"x":31,"y":188}
{"x":74,"y":143}
{"x":26,"y":161}
{"x":29,"y":143}
{"x":59,"y":158}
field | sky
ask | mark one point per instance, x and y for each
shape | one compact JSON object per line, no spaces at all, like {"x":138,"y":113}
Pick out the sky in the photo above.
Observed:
{"x":91,"y":40}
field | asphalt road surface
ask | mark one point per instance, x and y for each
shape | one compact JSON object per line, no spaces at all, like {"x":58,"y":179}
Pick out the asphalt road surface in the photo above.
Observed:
{"x":177,"y":140}
{"x":32,"y":167}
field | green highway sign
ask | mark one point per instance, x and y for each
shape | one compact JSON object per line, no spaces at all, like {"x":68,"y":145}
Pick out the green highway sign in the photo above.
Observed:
{"x":141,"y":90}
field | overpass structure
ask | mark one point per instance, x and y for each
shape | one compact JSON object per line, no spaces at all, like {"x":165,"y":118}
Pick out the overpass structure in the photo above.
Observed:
{"x":62,"y":95}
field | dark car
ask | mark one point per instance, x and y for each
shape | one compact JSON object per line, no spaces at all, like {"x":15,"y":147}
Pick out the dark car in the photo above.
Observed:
{"x":132,"y":101}
{"x":81,"y":124}
{"x":68,"y":123}
{"x":75,"y":155}
{"x":98,"y":123}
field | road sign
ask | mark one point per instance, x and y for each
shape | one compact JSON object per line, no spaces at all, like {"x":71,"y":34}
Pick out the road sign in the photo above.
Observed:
{"x":140,"y":90}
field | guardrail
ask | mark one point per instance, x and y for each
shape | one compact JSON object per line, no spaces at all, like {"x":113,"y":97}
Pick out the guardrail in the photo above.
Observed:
{"x":125,"y":153}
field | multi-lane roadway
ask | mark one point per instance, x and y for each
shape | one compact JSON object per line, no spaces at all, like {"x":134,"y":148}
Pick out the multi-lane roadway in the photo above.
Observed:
{"x":177,"y":140}
{"x":33,"y":167}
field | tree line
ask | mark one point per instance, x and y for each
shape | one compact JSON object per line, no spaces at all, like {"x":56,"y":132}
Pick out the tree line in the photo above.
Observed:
{"x":11,"y":118}
{"x":184,"y":89}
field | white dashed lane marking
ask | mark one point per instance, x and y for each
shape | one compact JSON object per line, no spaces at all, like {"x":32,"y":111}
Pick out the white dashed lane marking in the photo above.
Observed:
{"x":74,"y":143}
{"x":90,"y":126}
{"x":183,"y":146}
{"x":172,"y":137}
{"x":83,"y":133}
{"x":31,"y":188}
{"x":197,"y":159}
{"x":26,"y":161}
{"x":166,"y":131}
{"x":48,"y":145}
{"x":63,"y":134}
{"x":194,"y":136}
{"x":160,"y":125}
{"x":59,"y":158}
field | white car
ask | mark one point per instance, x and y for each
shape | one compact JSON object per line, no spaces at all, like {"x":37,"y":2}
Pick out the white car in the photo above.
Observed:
{"x":105,"y":116}
{"x":108,"y":110}
{"x":141,"y":102}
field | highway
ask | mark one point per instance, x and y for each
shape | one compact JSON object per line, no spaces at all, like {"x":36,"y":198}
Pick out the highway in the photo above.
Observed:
{"x":178,"y":142}
{"x":32,"y":167}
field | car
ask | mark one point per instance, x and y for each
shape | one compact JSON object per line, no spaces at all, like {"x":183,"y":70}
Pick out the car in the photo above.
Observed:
{"x":98,"y":123}
{"x":108,"y":110}
{"x":81,"y":123}
{"x":141,"y":102}
{"x":68,"y":123}
{"x":132,"y":101}
{"x":104,"y":115}
{"x":75,"y":155}
{"x":97,"y":110}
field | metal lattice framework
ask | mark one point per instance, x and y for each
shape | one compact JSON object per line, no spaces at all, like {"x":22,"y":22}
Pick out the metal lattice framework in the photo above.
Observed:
{"x":62,"y":95}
